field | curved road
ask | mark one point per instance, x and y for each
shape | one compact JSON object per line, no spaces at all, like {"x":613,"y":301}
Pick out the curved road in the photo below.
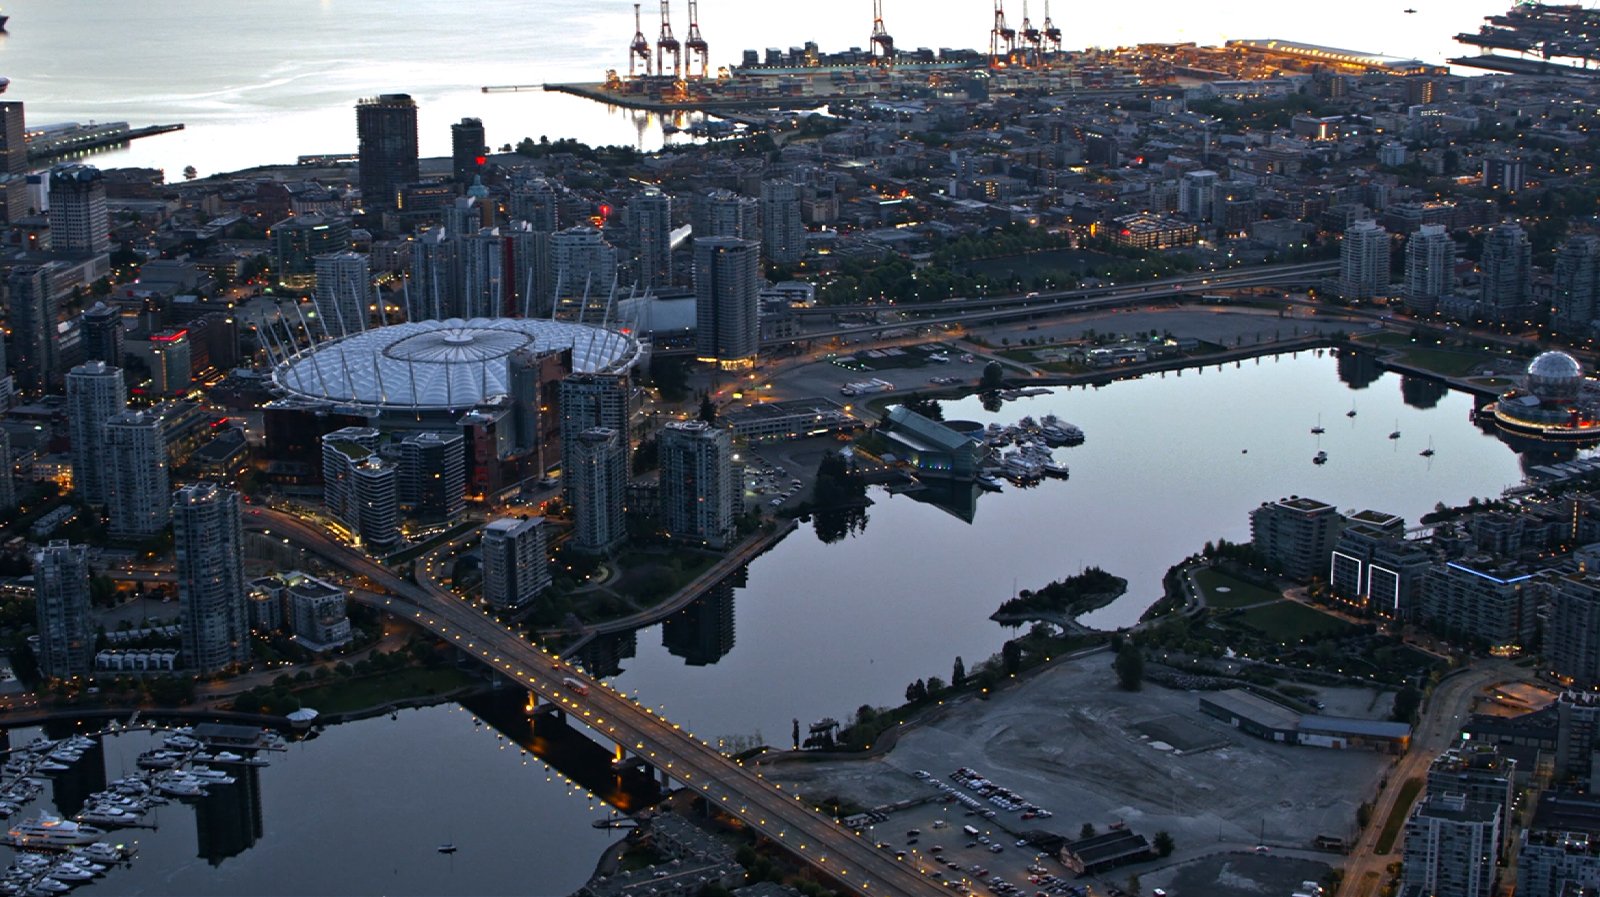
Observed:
{"x":780,"y":815}
{"x":1366,"y":870}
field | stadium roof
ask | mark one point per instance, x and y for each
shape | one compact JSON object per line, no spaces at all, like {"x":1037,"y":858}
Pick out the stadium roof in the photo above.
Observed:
{"x":442,"y":365}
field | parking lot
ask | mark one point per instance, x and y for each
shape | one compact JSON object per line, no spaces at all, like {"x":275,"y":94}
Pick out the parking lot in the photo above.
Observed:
{"x":1071,"y":743}
{"x":955,"y":844}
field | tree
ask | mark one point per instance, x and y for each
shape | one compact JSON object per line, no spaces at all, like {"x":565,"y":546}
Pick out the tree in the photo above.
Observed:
{"x":708,"y":410}
{"x":958,"y":675}
{"x":993,"y":376}
{"x":935,"y":685}
{"x":189,"y":173}
{"x":1011,"y":657}
{"x":1163,"y":844}
{"x":1130,"y":667}
{"x":928,"y":408}
{"x":1406,"y":703}
{"x":1086,"y":832}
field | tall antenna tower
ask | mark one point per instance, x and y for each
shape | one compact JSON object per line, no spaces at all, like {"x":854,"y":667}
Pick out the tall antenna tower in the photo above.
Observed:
{"x":696,"y":45}
{"x":640,"y":50}
{"x":881,"y":41}
{"x":666,"y":44}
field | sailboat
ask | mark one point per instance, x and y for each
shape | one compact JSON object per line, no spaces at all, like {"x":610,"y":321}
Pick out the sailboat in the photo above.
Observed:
{"x":447,"y":848}
{"x":1352,"y":411}
{"x":1318,"y":428}
{"x":1396,"y":433}
{"x":1427,"y":452}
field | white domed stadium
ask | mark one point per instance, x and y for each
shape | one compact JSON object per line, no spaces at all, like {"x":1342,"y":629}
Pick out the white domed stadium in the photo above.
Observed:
{"x":433,"y":366}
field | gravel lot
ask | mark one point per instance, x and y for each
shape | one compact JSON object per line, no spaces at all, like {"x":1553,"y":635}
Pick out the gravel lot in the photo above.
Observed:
{"x":1070,"y":742}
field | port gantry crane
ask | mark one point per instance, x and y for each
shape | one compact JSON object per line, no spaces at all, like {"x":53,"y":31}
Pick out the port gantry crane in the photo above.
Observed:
{"x":1052,"y":34}
{"x":1032,"y":39}
{"x":640,"y":50}
{"x":696,"y":47}
{"x":665,"y":44}
{"x":881,"y":41}
{"x":1003,"y":39}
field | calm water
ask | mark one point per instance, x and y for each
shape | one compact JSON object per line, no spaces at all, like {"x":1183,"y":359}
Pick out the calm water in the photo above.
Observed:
{"x":267,"y":82}
{"x":358,"y":810}
{"x":822,"y":628}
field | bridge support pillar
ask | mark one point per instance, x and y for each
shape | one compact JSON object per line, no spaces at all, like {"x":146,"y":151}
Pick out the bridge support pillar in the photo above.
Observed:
{"x":620,"y":755}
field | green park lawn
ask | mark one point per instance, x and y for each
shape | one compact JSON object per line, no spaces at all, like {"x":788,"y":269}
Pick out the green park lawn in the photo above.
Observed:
{"x":346,"y":696}
{"x":1224,"y":592}
{"x":1291,"y":622}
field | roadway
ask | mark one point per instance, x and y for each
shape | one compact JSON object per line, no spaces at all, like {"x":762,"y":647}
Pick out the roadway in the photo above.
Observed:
{"x":781,"y":816}
{"x":1366,"y":870}
{"x":978,"y":311}
{"x":1226,"y":279}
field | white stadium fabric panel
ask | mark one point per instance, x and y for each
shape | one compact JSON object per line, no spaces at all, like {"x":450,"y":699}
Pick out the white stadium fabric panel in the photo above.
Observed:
{"x":450,"y":364}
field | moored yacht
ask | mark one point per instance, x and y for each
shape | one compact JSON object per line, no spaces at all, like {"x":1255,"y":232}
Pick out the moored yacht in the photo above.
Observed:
{"x":51,"y":832}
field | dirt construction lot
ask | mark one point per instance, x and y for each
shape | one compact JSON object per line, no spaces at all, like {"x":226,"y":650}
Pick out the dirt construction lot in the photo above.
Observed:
{"x":1070,"y":742}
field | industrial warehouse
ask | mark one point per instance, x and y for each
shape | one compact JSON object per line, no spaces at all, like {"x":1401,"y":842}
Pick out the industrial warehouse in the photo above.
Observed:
{"x":1255,"y":715}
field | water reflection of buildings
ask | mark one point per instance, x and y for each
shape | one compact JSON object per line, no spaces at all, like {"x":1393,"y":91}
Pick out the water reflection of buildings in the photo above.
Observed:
{"x":1358,"y":370}
{"x":227,"y":820}
{"x":959,"y":500}
{"x":70,"y":790}
{"x":604,"y":654}
{"x":703,"y":632}
{"x":1422,"y":392}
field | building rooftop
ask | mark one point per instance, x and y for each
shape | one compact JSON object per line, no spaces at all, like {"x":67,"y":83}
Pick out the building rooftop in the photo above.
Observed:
{"x":442,"y":365}
{"x":1252,"y":706}
{"x":1108,"y":847}
{"x":1456,"y":808}
{"x":1301,"y":504}
{"x":1378,"y":519}
{"x":1567,"y":812}
{"x":1341,"y":725}
{"x":921,"y":432}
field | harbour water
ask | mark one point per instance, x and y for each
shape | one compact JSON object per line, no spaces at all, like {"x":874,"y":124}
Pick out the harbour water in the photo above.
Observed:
{"x":1170,"y":462}
{"x":819,"y":629}
{"x":261,"y":83}
{"x":360,"y":809}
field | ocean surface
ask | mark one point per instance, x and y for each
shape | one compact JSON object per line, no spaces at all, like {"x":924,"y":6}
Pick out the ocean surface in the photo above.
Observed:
{"x":259,"y":82}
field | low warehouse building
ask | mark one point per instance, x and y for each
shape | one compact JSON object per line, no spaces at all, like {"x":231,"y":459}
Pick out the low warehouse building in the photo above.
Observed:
{"x":1255,"y":715}
{"x":1104,"y":852}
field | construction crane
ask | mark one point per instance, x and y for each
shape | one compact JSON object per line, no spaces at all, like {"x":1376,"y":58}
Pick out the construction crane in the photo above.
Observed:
{"x":1003,"y":39}
{"x":1032,"y":38}
{"x":696,"y":46}
{"x":665,"y":44}
{"x":1052,"y":34}
{"x":881,"y":41}
{"x":640,"y":51}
